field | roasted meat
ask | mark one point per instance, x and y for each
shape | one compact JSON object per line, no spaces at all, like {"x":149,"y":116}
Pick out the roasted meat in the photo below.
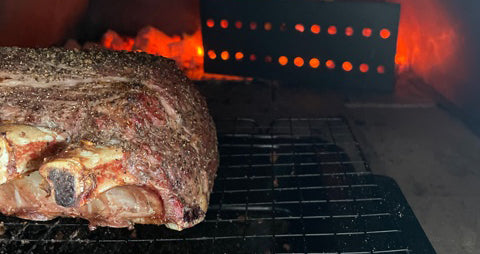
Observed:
{"x":113,"y":137}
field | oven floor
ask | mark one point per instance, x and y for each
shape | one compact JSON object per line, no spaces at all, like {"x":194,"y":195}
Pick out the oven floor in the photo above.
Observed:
{"x":431,"y":154}
{"x":434,"y":158}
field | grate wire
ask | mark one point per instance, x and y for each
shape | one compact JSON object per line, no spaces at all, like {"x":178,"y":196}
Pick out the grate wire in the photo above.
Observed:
{"x":296,"y":186}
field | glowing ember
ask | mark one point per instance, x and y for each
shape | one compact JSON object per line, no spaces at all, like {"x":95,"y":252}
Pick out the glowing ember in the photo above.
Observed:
{"x":238,"y":24}
{"x":364,"y":68}
{"x":348,"y":31}
{"x":114,"y":41}
{"x":199,"y":51}
{"x":385,"y":33}
{"x":315,"y":29}
{"x":347,"y":66}
{"x":426,"y":41}
{"x":367,"y":32}
{"x":283,"y":60}
{"x":300,"y":28}
{"x":224,"y":55}
{"x":239,"y":56}
{"x":154,"y":41}
{"x":267,"y":26}
{"x":332,"y":30}
{"x":210,"y":23}
{"x":224,"y":23}
{"x":314,"y":63}
{"x":298,"y":61}
{"x":381,"y":69}
{"x":330,"y":64}
{"x":186,"y":50}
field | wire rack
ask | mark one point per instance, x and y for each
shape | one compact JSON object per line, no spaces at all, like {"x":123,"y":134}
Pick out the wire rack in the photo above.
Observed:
{"x":296,"y":186}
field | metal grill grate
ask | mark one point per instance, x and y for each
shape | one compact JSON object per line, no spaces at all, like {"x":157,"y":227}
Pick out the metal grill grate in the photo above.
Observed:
{"x":301,"y":185}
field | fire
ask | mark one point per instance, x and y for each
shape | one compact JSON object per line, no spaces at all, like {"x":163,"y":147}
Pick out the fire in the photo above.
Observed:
{"x":300,"y":28}
{"x":186,"y":50}
{"x":385,"y":33}
{"x":114,"y":41}
{"x":426,"y":39}
{"x":283,"y":60}
{"x":330,"y":64}
{"x":200,"y":51}
{"x":298,"y":61}
{"x":224,"y":55}
{"x":314,"y":63}
{"x":239,"y":56}
{"x":347,"y":66}
{"x":432,"y":45}
{"x":364,"y":67}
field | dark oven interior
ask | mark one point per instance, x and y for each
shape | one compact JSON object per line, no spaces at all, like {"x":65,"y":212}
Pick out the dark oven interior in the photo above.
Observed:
{"x":343,"y":126}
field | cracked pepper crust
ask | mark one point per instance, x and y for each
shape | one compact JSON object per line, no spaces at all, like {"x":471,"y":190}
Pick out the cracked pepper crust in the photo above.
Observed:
{"x":138,"y":102}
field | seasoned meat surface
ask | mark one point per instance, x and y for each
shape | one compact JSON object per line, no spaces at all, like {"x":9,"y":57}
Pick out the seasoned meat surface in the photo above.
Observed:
{"x":119,"y":119}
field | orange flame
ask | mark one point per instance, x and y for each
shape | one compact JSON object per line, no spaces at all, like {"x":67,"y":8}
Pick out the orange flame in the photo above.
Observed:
{"x":430,"y":43}
{"x":186,"y":50}
{"x":114,"y":41}
{"x":200,"y":51}
{"x":426,"y":39}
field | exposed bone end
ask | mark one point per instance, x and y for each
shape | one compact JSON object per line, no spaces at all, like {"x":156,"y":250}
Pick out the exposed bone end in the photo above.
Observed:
{"x":64,"y":185}
{"x":84,"y":171}
{"x":29,"y":197}
{"x":23,"y":148}
{"x":69,"y":180}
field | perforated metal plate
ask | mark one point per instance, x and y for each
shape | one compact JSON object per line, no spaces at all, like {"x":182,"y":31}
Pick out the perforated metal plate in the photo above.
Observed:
{"x":256,"y":37}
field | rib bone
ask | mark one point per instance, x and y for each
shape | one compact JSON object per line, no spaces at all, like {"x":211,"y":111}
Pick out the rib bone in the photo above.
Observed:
{"x":23,"y":148}
{"x":83,"y":171}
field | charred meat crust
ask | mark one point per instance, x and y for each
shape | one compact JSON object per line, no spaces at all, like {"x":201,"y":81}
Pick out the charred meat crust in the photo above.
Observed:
{"x":193,"y":214}
{"x":140,"y":103}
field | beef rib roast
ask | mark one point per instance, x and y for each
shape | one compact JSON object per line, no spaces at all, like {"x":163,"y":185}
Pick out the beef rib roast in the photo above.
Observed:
{"x":117,"y":138}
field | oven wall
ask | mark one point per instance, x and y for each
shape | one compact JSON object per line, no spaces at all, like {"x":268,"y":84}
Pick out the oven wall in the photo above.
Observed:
{"x":38,"y":23}
{"x":45,"y":23}
{"x":468,"y":95}
{"x":460,"y":82}
{"x":128,"y":17}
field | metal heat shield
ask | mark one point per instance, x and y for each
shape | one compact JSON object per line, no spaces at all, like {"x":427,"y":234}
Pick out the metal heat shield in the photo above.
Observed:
{"x":254,"y":38}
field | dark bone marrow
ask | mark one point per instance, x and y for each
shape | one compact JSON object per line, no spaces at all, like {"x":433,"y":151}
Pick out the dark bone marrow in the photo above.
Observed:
{"x":64,"y":187}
